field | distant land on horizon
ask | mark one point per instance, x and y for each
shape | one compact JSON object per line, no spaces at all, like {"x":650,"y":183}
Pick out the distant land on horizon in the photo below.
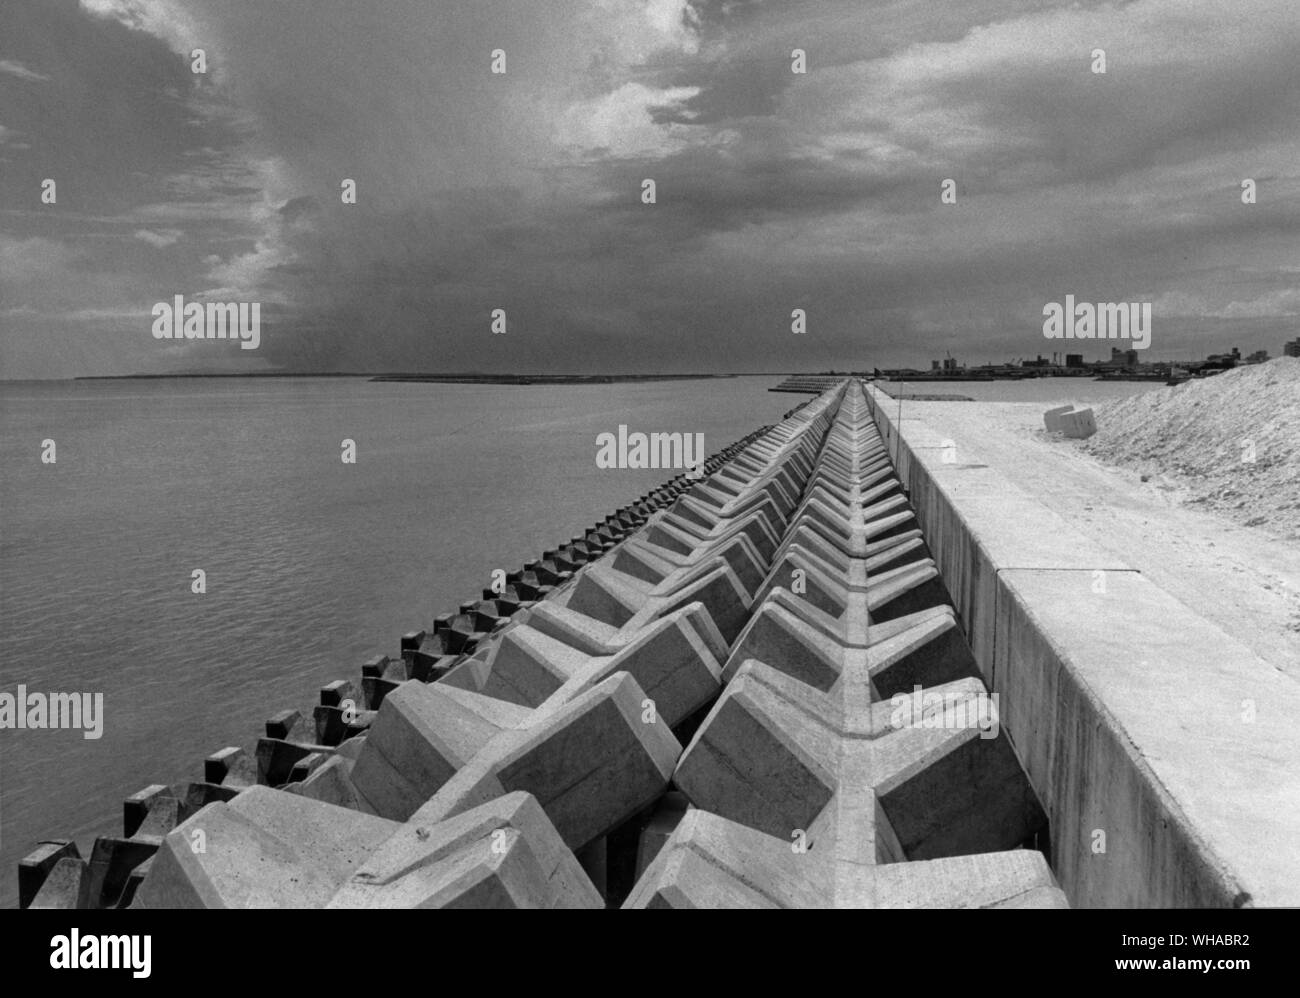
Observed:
{"x":454,"y":378}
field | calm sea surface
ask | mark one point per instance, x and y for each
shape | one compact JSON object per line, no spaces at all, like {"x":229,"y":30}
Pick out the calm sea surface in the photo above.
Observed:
{"x":312,"y":565}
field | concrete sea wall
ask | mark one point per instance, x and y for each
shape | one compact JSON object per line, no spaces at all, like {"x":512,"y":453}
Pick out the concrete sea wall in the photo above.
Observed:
{"x":1165,"y":753}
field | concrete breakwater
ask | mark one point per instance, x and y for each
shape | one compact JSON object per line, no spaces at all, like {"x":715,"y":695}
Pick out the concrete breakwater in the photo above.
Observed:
{"x":544,"y":379}
{"x":1164,"y":750}
{"x":808,"y":384}
{"x":693,"y":704}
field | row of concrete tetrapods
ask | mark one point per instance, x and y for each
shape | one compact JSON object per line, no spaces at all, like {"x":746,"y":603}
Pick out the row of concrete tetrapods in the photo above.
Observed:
{"x":702,"y":715}
{"x":813,"y":384}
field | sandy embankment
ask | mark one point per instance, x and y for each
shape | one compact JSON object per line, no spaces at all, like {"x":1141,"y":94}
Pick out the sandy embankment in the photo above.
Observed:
{"x":1232,"y":442}
{"x":1217,"y":533}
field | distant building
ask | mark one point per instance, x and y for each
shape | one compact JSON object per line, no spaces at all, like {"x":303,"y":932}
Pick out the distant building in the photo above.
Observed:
{"x":1291,"y":349}
{"x":950,"y":364}
{"x":1116,"y":355}
{"x":1130,"y":358}
{"x":1258,"y":357}
{"x":1222,"y":361}
{"x":1074,"y":360}
{"x":934,"y":365}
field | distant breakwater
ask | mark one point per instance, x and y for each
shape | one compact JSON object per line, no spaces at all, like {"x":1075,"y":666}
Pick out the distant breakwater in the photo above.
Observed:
{"x":451,"y":379}
{"x":544,"y":379}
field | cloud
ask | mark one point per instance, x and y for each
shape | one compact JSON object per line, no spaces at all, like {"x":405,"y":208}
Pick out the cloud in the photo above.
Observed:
{"x":622,"y":122}
{"x":17,"y":69}
{"x":158,"y":239}
{"x":135,"y":315}
{"x":775,"y":190}
{"x":823,"y":190}
{"x":23,"y":259}
{"x":1277,"y":303}
{"x":169,"y":20}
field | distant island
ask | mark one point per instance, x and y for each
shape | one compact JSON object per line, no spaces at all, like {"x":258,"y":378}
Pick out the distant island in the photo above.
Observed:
{"x":455,"y":379}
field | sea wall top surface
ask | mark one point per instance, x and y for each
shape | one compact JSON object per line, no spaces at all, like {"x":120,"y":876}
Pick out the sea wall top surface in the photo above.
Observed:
{"x":1165,"y":751}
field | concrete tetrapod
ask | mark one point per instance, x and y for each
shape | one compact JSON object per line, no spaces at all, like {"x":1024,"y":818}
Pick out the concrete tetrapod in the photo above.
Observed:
{"x":596,"y":761}
{"x":710,"y":862}
{"x":623,"y":602}
{"x":771,"y":754}
{"x":677,"y":659}
{"x":593,"y":754}
{"x":270,"y":849}
{"x":502,"y":854}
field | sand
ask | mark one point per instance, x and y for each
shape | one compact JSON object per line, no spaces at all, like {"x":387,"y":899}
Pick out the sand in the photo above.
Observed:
{"x":1231,"y":442}
{"x":1246,"y":580}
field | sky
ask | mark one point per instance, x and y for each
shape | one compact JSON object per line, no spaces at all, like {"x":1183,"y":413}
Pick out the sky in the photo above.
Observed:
{"x":522,"y":190}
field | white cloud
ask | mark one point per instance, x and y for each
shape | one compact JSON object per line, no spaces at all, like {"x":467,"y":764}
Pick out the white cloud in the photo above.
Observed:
{"x":158,"y":239}
{"x":243,"y":276}
{"x":169,"y":20}
{"x":128,"y":313}
{"x":1022,"y":89}
{"x":15,"y":68}
{"x":161,"y":18}
{"x":1277,"y":303}
{"x":634,"y":30}
{"x":620,"y":122}
{"x":1282,"y":302}
{"x":22,"y":260}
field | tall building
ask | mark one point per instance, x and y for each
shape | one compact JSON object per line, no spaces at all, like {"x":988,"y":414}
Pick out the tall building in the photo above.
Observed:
{"x":1291,"y":349}
{"x":1074,"y":360}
